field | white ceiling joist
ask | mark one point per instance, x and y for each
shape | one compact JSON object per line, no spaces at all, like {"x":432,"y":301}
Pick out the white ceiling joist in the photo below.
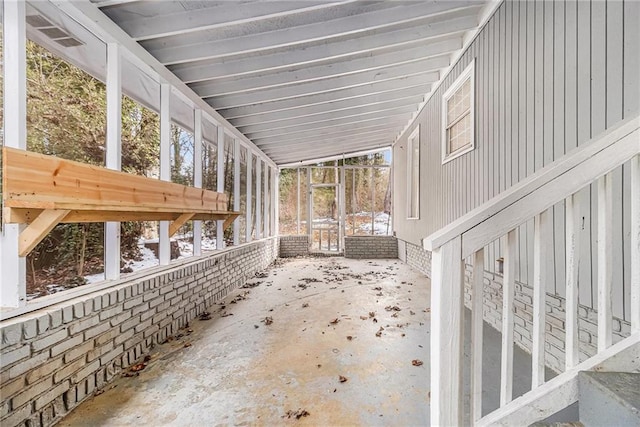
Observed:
{"x":344,"y":77}
{"x":415,"y":84}
{"x":332,"y":116}
{"x":235,"y":13}
{"x":307,"y":55}
{"x":366,"y":22}
{"x":347,"y":106}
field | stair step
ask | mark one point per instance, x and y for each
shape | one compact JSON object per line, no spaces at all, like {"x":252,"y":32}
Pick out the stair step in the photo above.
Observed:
{"x":565,"y":424}
{"x":609,"y":398}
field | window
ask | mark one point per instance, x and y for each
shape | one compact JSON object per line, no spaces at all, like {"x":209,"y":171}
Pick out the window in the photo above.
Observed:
{"x":413,"y":177}
{"x":457,"y":113}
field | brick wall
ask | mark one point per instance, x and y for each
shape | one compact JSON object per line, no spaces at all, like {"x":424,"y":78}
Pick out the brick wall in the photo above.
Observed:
{"x":418,"y":258}
{"x":54,"y":358}
{"x":291,"y":246}
{"x":370,"y":247}
{"x":523,"y":313}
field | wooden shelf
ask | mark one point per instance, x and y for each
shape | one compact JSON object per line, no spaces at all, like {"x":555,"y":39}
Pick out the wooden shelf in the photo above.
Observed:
{"x":43,"y":191}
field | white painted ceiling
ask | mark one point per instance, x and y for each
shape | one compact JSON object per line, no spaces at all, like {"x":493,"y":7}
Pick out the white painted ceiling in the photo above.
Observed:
{"x":305,"y":79}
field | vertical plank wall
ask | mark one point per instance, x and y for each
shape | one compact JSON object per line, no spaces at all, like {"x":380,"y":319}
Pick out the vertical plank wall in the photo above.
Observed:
{"x":550,"y":75}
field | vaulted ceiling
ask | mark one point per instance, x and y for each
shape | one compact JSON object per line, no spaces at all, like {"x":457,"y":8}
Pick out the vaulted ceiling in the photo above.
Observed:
{"x":305,"y":79}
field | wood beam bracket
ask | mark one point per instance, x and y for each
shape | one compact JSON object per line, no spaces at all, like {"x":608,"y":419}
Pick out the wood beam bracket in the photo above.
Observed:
{"x":38,"y":229}
{"x":179,"y":222}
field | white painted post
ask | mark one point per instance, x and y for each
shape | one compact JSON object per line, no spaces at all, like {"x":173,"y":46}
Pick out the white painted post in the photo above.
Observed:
{"x":298,"y":202}
{"x":343,"y":205}
{"x":197,"y":176}
{"x":236,"y":189}
{"x":635,"y":244}
{"x":113,"y":155}
{"x":275,"y":225}
{"x":446,"y":334}
{"x":605,"y":261}
{"x":164,"y":245}
{"x":267,"y":206}
{"x":258,"y":198}
{"x":572,"y":213}
{"x":508,"y":284}
{"x":309,"y":206}
{"x":220,"y":185}
{"x":249,"y":205}
{"x":13,"y":292}
{"x":540,"y":278}
{"x":477,"y":306}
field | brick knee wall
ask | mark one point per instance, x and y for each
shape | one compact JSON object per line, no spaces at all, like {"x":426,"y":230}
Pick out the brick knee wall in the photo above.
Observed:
{"x":370,"y":247}
{"x":420,"y":259}
{"x":53,"y":359}
{"x":292,"y":246}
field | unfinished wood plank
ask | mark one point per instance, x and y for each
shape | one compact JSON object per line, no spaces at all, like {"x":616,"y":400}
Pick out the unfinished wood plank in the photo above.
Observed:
{"x":446,"y":335}
{"x":572,"y":207}
{"x":229,"y":220}
{"x":26,"y":216}
{"x":179,"y":222}
{"x":540,"y":247}
{"x":38,"y":229}
{"x":477,"y":306}
{"x":38,"y":181}
{"x":508,"y":286}
{"x":605,"y":261}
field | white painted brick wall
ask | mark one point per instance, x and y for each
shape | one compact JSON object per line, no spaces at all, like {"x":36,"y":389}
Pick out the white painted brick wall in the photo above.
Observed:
{"x":55,"y":358}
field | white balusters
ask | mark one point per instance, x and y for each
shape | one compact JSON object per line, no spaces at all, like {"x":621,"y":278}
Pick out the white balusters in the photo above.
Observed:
{"x":506,"y":370}
{"x":635,"y":244}
{"x":476,"y":335}
{"x":573,"y":220}
{"x":540,"y":250}
{"x":605,"y":261}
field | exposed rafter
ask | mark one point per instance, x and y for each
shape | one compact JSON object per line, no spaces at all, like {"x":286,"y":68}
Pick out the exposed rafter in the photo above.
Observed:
{"x":304,"y":79}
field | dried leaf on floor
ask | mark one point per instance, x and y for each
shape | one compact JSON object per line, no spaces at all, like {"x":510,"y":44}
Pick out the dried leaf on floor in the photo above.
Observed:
{"x":416,"y":362}
{"x":377,"y":288}
{"x":364,"y":317}
{"x":412,"y":313}
{"x":225,"y":314}
{"x":372,"y":314}
{"x":342,"y":379}
{"x":267,"y":320}
{"x":305,"y":305}
{"x":147,"y":358}
{"x":392,"y":308}
{"x":138,"y":367}
{"x":205,"y":316}
{"x":428,"y":310}
{"x":349,"y":337}
{"x":296,"y":414}
{"x":395,"y":314}
{"x":187,"y":344}
{"x":334,"y":321}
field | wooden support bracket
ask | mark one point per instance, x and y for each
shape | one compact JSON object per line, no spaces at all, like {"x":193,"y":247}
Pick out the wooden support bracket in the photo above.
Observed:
{"x":179,"y":222}
{"x":229,"y":220}
{"x":35,"y":232}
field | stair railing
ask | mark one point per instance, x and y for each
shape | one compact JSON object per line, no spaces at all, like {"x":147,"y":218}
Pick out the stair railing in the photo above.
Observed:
{"x":499,"y":218}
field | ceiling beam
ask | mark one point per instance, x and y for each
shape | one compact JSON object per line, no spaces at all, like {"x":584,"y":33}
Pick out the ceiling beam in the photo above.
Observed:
{"x":410,"y":64}
{"x":306,"y":129}
{"x":395,"y":75}
{"x":327,"y":30}
{"x":368,"y":136}
{"x":330,"y":158}
{"x":412,"y":83}
{"x":347,"y":105}
{"x":408,"y":104}
{"x":326,"y":151}
{"x":382,"y":124}
{"x":210,"y":18}
{"x":354,"y":135}
{"x":111,"y":3}
{"x":432,"y":39}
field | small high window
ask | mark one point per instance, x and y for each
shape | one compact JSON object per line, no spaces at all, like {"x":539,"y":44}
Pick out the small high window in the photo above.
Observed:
{"x":458,"y":117}
{"x":413,"y":175}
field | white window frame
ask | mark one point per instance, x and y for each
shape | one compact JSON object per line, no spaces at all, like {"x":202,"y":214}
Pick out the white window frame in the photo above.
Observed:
{"x":468,"y":73}
{"x":414,"y":138}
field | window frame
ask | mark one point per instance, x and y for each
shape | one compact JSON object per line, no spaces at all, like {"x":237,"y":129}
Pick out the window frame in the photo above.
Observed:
{"x":467,"y":74}
{"x":414,"y":138}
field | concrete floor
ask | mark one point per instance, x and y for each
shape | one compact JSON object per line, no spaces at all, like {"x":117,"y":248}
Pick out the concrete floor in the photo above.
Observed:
{"x":240,"y":371}
{"x":236,"y":370}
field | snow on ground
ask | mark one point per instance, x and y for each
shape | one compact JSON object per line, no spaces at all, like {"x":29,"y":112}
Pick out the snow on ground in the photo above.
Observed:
{"x":381,"y":225}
